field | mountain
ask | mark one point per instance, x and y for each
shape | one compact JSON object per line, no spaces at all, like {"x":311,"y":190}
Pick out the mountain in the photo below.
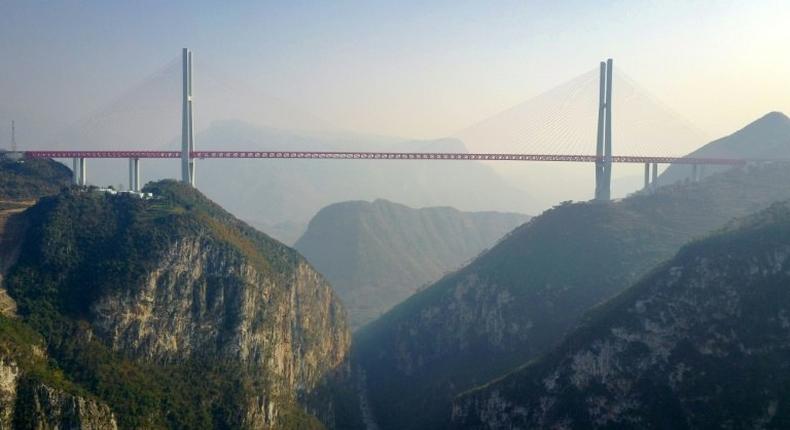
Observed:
{"x":277,"y":193}
{"x":376,"y":254}
{"x":765,"y":138}
{"x":165,"y":313}
{"x":701,"y":342}
{"x":518,"y":299}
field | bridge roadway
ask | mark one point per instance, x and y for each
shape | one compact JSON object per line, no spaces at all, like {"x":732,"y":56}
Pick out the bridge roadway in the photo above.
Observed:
{"x":355,"y":155}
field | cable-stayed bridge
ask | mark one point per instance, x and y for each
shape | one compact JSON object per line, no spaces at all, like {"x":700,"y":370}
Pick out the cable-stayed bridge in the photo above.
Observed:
{"x":559,"y":138}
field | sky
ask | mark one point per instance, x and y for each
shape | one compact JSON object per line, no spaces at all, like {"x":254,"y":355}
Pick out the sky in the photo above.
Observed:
{"x":421,"y":69}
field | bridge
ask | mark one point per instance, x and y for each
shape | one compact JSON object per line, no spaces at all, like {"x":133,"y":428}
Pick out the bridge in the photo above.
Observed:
{"x":603,"y":158}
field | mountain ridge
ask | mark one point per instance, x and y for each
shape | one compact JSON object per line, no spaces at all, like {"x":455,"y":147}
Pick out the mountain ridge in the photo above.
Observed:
{"x":377,"y":253}
{"x":697,"y":343}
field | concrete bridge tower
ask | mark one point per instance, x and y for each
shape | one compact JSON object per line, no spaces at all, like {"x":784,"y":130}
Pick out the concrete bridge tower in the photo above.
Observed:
{"x":603,"y":148}
{"x":187,"y":126}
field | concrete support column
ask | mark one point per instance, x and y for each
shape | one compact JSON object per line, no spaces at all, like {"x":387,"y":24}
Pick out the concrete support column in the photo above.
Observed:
{"x":647,"y":175}
{"x":694,"y":173}
{"x":654,"y":180}
{"x":75,"y":170}
{"x":136,"y":163}
{"x":131,"y":174}
{"x":134,"y":174}
{"x":83,"y":172}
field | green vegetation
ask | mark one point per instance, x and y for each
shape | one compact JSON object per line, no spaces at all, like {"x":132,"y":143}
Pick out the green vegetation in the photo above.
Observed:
{"x":31,"y":179}
{"x":518,"y":300}
{"x":81,"y":245}
{"x":376,"y":254}
{"x":701,"y":342}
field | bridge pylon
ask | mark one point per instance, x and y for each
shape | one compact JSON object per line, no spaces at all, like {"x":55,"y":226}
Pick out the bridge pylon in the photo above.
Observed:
{"x":187,"y":126}
{"x":603,"y":148}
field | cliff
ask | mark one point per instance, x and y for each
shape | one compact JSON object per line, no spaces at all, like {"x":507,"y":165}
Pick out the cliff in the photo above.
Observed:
{"x":701,"y":342}
{"x":176,"y":314}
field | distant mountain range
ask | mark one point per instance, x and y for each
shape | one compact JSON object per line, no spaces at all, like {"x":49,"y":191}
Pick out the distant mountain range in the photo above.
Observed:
{"x":517,"y":300}
{"x":767,"y":137}
{"x":376,"y":254}
{"x":701,"y":342}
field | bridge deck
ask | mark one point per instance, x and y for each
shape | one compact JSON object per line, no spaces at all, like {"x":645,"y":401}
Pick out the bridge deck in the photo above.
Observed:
{"x":354,"y":155}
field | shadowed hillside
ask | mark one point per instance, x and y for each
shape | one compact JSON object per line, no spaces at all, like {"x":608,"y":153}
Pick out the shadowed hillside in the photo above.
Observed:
{"x":518,"y":299}
{"x":377,"y":254}
{"x":767,"y":137}
{"x":701,"y":342}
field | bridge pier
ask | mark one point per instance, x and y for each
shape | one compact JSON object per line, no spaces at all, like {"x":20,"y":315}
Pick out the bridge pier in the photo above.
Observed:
{"x":83,"y":172}
{"x":134,"y":174}
{"x":647,"y":175}
{"x":75,"y":171}
{"x":694,"y":173}
{"x":654,"y":180}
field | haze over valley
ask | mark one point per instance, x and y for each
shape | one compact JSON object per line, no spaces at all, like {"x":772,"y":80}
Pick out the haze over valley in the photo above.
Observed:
{"x":395,"y":215}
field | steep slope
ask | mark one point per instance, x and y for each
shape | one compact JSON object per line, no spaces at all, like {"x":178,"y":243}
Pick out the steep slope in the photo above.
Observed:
{"x":376,"y":254}
{"x":519,"y":298}
{"x":702,"y":342}
{"x":22,"y":182}
{"x":176,"y":314}
{"x":767,"y":137}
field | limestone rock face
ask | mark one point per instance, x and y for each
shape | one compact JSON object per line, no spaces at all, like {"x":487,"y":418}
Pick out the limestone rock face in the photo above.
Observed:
{"x":9,"y":373}
{"x":43,"y":407}
{"x":203,"y":300}
{"x":700,"y":343}
{"x":28,"y":404}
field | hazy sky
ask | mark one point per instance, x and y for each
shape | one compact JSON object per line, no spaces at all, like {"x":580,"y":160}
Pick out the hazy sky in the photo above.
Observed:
{"x":406,"y":68}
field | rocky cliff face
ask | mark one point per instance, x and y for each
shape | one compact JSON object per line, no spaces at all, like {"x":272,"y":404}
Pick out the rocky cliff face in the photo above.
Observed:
{"x":203,"y":301}
{"x":519,"y":299}
{"x":33,"y":395}
{"x":700,"y":343}
{"x":43,"y":407}
{"x":176,"y":300}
